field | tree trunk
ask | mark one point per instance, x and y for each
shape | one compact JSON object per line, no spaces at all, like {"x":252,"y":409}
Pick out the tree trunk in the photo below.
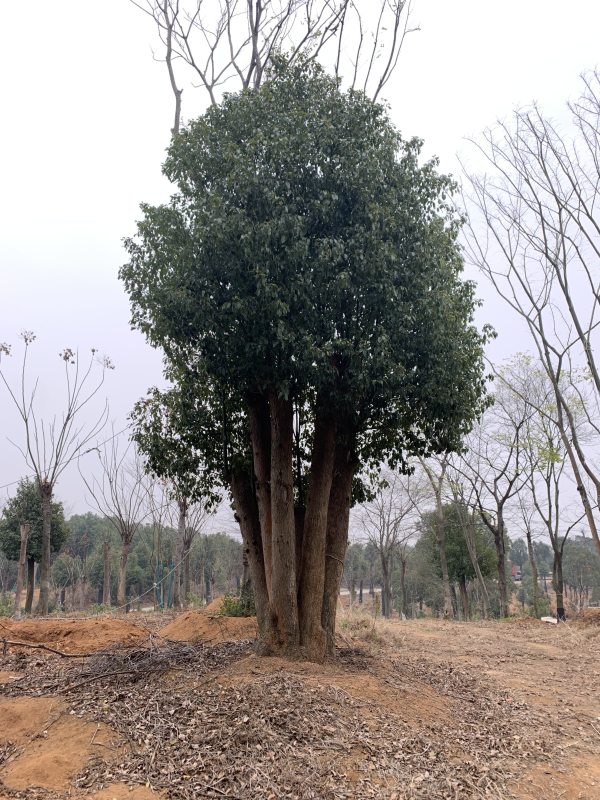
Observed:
{"x":283,"y":572}
{"x":386,"y":592}
{"x":24,"y":531}
{"x":312,"y":581}
{"x":501,"y":564}
{"x":122,"y":585}
{"x":106,"y":577}
{"x":470,"y":541}
{"x":441,"y":540}
{"x":186,"y":572}
{"x":534,"y":572}
{"x":462,"y":585}
{"x":30,"y":584}
{"x":559,"y":587}
{"x":45,"y":489}
{"x":360,"y":593}
{"x":403,"y":593}
{"x":179,"y":552}
{"x":338,"y":518}
{"x":260,"y":432}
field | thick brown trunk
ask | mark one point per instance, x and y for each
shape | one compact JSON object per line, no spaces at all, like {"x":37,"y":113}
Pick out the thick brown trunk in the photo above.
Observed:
{"x":24,"y":531}
{"x":46,"y":496}
{"x":403,"y":593}
{"x":283,"y":571}
{"x":122,"y":585}
{"x":312,"y":579}
{"x":338,"y":518}
{"x":246,"y":512}
{"x":30,"y":584}
{"x":179,"y":551}
{"x":386,"y":591}
{"x":106,"y":577}
{"x":260,"y":432}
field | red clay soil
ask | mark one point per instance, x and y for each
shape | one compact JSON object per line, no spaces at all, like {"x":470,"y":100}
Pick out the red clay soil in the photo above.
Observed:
{"x":213,"y":629}
{"x":74,"y":635}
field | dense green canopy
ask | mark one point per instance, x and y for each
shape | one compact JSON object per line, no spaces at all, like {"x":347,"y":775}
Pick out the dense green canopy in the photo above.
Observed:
{"x":26,"y":506}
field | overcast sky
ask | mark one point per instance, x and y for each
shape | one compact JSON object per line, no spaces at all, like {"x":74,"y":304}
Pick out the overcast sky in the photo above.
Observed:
{"x":86,"y":116}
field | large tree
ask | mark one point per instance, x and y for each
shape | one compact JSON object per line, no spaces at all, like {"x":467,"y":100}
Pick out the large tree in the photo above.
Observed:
{"x":305,"y":281}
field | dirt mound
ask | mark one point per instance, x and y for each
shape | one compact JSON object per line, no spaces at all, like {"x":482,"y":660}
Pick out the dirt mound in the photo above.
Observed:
{"x":214,"y":629}
{"x":214,"y":607}
{"x":74,"y":635}
{"x":587,"y":616}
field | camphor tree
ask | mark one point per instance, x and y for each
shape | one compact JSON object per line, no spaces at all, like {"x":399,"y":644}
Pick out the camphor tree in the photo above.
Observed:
{"x":50,"y":446}
{"x":308,"y":263}
{"x":26,"y":507}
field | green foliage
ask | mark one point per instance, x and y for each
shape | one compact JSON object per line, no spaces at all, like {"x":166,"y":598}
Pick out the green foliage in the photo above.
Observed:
{"x":307,"y":252}
{"x":237,"y":607}
{"x":7,"y":605}
{"x":26,"y":506}
{"x":518,"y":552}
{"x":458,"y":522}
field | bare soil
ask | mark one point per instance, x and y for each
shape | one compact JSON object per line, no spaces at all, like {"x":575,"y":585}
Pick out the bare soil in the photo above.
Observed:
{"x":426,"y":710}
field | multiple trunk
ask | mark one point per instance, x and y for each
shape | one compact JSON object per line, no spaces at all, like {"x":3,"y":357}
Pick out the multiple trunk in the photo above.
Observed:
{"x":295,"y":551}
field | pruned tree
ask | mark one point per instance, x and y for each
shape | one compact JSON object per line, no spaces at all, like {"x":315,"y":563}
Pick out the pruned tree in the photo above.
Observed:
{"x":120,"y":494}
{"x":308,"y":262}
{"x":230,"y":45}
{"x":539,"y":246}
{"x":50,"y":446}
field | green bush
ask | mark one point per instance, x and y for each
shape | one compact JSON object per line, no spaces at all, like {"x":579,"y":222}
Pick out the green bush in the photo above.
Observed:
{"x":233,"y":606}
{"x":6,"y":605}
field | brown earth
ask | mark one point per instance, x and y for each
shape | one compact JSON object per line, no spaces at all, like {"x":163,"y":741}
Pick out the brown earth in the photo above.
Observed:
{"x":416,"y":709}
{"x":200,"y":624}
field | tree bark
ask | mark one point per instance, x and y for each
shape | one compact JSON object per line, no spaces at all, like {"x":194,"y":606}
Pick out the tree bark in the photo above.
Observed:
{"x":179,"y":552}
{"x":24,"y":531}
{"x":260,"y":432}
{"x":462,"y":585}
{"x":312,"y":581}
{"x":46,"y":496}
{"x":559,"y":587}
{"x":534,"y":571}
{"x":441,"y":541}
{"x":122,"y":585}
{"x":501,"y":564}
{"x":186,"y":572}
{"x":246,"y":512}
{"x":338,"y":518}
{"x":403,"y":593}
{"x":30,"y":584}
{"x":283,"y":569}
{"x":106,"y":577}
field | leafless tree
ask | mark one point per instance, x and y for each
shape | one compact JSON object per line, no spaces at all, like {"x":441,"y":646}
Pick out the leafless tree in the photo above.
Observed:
{"x":495,"y":468}
{"x":389,"y":523}
{"x":120,"y":494}
{"x":50,"y":446}
{"x":435,"y":469}
{"x":229,"y":44}
{"x":539,"y":247}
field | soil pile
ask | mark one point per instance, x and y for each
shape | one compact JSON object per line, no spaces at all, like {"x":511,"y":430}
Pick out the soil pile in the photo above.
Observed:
{"x":74,"y":635}
{"x":211,"y":628}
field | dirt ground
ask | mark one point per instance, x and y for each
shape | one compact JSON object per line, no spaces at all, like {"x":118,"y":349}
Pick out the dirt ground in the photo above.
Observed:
{"x":149,"y":707}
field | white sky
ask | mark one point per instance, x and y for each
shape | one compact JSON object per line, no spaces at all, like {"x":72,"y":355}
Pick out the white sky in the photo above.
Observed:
{"x":86,"y":116}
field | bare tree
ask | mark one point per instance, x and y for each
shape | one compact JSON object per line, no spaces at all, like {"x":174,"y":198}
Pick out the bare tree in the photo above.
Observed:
{"x":539,"y":248}
{"x":230,"y":44}
{"x":495,"y":468}
{"x":50,"y":446}
{"x":120,"y":495}
{"x":436,"y":469}
{"x":389,"y":523}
